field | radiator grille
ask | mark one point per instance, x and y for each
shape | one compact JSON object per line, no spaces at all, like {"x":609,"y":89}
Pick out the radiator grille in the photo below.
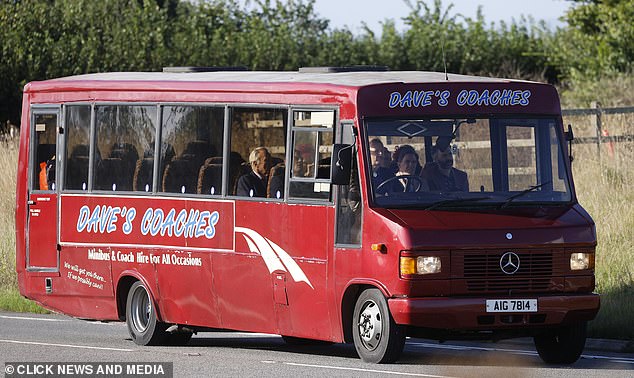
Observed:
{"x":481,"y":271}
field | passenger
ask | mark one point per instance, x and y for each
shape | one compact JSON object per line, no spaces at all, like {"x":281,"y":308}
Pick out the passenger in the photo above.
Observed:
{"x":381,"y":163}
{"x":253,"y":184}
{"x":441,"y":175}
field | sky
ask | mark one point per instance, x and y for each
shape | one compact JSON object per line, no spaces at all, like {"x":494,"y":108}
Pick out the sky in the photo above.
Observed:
{"x":351,"y":13}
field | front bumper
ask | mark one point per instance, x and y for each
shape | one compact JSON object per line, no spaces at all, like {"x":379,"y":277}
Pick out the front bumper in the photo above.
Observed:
{"x":468,"y":313}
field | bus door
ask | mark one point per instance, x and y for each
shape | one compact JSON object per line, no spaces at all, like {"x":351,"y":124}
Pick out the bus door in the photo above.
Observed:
{"x":42,"y":251}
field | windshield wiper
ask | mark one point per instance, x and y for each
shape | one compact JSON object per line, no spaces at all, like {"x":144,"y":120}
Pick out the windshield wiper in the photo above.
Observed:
{"x":522,"y":193}
{"x":453,"y":201}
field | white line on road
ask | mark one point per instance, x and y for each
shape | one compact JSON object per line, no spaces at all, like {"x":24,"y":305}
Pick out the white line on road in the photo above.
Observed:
{"x":65,"y":345}
{"x":28,"y":318}
{"x":364,"y":370}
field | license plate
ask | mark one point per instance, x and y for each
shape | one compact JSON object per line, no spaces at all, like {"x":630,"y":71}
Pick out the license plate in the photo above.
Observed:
{"x":511,"y":305}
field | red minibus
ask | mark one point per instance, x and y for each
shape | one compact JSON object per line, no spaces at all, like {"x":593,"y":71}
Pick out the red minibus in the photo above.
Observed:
{"x":335,"y":204}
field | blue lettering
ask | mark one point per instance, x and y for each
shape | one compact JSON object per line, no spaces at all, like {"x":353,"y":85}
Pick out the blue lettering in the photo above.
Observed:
{"x":444,"y":98}
{"x":157,"y":219}
{"x":179,"y":228}
{"x":407,"y":99}
{"x":112,"y":219}
{"x":494,"y":99}
{"x":146,"y":221}
{"x":168,"y":224}
{"x":505,"y":97}
{"x":93,"y":221}
{"x":461,"y":100}
{"x":129,"y":217}
{"x":395,"y":98}
{"x":484,"y":98}
{"x":201,"y":224}
{"x":210,"y":231}
{"x":190,"y":225}
{"x":82,"y":219}
{"x":525,"y":96}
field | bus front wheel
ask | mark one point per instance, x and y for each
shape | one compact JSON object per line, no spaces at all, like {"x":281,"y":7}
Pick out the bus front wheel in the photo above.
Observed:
{"x":143,"y":324}
{"x":377,"y":338}
{"x":563,"y":345}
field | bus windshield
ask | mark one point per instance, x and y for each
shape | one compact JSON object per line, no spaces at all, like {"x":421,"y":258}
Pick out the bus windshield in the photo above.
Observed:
{"x":466,"y":163}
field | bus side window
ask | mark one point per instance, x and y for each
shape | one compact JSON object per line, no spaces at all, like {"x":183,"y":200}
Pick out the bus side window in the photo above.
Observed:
{"x":312,"y":153}
{"x":255,"y":131}
{"x":124,"y":133}
{"x":77,"y":147}
{"x":191,"y":150}
{"x":45,"y":142}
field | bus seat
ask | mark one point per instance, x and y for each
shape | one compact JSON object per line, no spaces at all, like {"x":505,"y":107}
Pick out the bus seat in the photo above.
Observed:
{"x":234,"y":175}
{"x":77,"y":167}
{"x":112,"y":175}
{"x":77,"y":173}
{"x":210,"y":176}
{"x":198,"y":151}
{"x":180,"y":173}
{"x":143,"y":173}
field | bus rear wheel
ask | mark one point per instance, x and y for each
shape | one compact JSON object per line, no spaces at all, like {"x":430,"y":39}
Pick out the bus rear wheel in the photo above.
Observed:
{"x":377,"y":338}
{"x":563,"y":345}
{"x":143,"y":324}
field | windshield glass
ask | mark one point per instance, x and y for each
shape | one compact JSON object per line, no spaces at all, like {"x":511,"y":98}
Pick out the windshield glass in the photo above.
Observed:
{"x":445,"y":163}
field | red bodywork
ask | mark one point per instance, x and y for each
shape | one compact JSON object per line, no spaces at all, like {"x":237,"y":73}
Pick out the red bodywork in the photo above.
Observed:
{"x":274,"y":267}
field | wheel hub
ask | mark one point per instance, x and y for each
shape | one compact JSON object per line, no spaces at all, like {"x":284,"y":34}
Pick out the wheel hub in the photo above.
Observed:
{"x":370,"y":325}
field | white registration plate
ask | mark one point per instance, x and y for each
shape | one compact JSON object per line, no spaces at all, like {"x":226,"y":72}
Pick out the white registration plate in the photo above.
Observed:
{"x":511,"y":305}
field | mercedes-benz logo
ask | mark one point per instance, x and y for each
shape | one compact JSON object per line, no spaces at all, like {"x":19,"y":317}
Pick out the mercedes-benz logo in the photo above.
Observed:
{"x":510,"y":263}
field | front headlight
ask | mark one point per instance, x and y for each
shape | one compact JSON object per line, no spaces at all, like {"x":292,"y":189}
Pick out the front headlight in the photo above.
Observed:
{"x":420,"y":265}
{"x":581,"y":261}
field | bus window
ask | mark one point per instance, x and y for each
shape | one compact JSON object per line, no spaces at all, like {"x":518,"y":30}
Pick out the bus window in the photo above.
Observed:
{"x":258,"y":133}
{"x":77,"y":147}
{"x":312,"y":152}
{"x":126,"y":133}
{"x":191,"y":150}
{"x":45,"y":141}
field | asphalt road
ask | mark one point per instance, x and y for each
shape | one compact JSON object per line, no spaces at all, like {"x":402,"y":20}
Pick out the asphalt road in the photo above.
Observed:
{"x":56,"y":338}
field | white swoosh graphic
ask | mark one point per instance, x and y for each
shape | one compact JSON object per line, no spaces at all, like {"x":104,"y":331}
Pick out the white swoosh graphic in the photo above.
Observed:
{"x":296,"y":272}
{"x":273,"y":255}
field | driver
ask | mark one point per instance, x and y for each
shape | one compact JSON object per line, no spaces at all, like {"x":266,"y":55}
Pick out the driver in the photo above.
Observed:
{"x":407,"y":163}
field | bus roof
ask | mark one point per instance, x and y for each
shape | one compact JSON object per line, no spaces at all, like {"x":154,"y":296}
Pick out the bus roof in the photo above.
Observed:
{"x":346,"y":79}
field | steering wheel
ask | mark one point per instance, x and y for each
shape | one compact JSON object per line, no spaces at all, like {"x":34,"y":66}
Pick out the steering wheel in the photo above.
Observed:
{"x":410,"y":180}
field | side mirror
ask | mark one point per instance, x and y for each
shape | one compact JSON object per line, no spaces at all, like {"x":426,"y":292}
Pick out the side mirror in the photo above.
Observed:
{"x":570,"y":136}
{"x":341,"y":164}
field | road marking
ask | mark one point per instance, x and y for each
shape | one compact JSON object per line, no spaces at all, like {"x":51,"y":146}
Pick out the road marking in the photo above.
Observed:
{"x":364,"y":370}
{"x":28,"y":318}
{"x":65,"y":345}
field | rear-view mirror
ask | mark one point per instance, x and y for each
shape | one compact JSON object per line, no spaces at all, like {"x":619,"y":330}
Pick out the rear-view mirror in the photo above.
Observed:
{"x":341,"y":164}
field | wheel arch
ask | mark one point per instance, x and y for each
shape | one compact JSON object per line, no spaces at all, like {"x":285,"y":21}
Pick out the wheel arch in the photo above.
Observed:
{"x":348,"y":301}
{"x":124,"y":283}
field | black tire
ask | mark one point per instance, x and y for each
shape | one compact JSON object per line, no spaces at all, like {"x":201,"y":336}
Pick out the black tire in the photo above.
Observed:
{"x":300,"y":341}
{"x":143,"y":324}
{"x":563,"y":345}
{"x":377,"y":338}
